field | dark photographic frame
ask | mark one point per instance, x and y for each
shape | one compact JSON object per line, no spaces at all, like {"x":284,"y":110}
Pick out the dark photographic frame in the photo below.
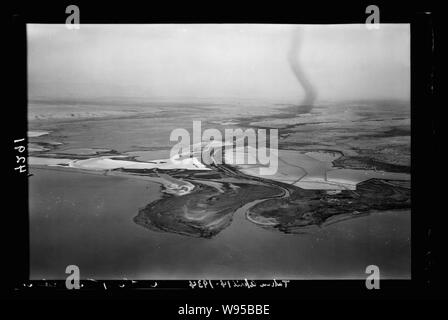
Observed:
{"x":423,"y":210}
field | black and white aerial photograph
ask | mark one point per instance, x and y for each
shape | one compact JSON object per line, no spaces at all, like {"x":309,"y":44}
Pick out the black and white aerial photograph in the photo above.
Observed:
{"x":219,"y":151}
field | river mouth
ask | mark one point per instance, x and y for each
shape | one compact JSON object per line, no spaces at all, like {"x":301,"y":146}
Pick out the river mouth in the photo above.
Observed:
{"x":323,"y":216}
{"x":204,"y":207}
{"x":217,"y":151}
{"x":95,"y":228}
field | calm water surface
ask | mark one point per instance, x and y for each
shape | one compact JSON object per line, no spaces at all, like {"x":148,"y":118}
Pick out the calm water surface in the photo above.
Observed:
{"x":86,"y":219}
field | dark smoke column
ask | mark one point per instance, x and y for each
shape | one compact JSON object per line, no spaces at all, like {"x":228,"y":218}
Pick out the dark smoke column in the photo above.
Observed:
{"x":294,"y":61}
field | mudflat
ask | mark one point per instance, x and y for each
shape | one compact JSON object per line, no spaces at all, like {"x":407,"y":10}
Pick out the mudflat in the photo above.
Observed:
{"x":341,"y":195}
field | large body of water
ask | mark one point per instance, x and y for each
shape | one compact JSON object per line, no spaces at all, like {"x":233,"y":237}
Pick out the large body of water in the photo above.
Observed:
{"x":87,"y":219}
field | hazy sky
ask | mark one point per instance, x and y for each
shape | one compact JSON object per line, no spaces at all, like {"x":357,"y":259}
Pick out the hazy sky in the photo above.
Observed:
{"x":213,"y":60}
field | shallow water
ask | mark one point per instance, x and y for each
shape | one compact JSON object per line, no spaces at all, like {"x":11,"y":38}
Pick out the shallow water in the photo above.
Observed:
{"x":77,"y":218}
{"x":87,"y":219}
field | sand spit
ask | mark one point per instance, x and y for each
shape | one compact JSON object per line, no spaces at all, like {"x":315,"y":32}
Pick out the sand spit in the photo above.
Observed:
{"x":37,"y":133}
{"x":106,"y":163}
